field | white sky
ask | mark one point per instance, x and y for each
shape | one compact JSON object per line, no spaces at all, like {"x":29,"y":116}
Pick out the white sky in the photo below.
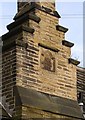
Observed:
{"x":71,"y":17}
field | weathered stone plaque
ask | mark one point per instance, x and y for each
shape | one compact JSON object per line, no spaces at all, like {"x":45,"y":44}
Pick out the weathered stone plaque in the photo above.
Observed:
{"x":47,"y":60}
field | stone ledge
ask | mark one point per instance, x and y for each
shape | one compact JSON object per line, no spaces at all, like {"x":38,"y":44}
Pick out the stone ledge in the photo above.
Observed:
{"x":17,"y":30}
{"x":48,"y":47}
{"x":49,"y":11}
{"x":10,"y":44}
{"x":27,"y":8}
{"x":26,"y":12}
{"x":26,"y":16}
{"x":22,"y":19}
{"x":73,"y":61}
{"x":56,"y":14}
{"x":46,"y":102}
{"x":34,"y":17}
{"x":67,"y":43}
{"x":61,"y":28}
{"x":31,"y":7}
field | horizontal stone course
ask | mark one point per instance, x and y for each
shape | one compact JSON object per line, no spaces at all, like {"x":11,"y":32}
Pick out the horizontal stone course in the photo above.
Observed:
{"x":36,"y":59}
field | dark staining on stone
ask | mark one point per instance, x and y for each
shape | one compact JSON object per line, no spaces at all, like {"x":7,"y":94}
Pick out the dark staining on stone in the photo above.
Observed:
{"x":67,"y":43}
{"x":73,"y":61}
{"x":56,"y":14}
{"x":47,"y":61}
{"x":25,"y":9}
{"x":49,"y":48}
{"x":42,"y":54}
{"x":48,"y":64}
{"x":16,"y":30}
{"x":25,"y":14}
{"x":46,"y":9}
{"x":14,"y":79}
{"x":34,"y":17}
{"x":61,"y":28}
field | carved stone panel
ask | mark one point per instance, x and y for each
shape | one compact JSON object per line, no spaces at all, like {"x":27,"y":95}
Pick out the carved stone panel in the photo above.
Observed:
{"x":47,"y":60}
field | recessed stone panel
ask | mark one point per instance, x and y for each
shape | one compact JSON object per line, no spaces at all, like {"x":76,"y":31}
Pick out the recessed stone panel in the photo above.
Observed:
{"x":47,"y":59}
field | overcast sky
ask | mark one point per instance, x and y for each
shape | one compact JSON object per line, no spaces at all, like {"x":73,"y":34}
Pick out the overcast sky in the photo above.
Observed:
{"x":71,"y":17}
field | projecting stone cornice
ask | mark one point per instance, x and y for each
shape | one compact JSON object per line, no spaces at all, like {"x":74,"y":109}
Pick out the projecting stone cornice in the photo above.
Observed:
{"x":61,"y":28}
{"x":26,"y":16}
{"x":48,"y":47}
{"x":56,"y":14}
{"x":12,"y":43}
{"x":22,"y":19}
{"x":31,"y":7}
{"x":25,"y":9}
{"x":49,"y":11}
{"x":67,"y":43}
{"x":73,"y":61}
{"x":17,"y":30}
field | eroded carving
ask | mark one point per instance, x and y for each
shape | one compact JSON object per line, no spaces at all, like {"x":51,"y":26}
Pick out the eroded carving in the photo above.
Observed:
{"x":47,"y":60}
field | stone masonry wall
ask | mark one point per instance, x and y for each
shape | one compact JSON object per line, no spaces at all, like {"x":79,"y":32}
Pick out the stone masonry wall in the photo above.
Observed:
{"x":81,"y":86}
{"x":62,"y":80}
{"x":27,"y":113}
{"x":35,"y":114}
{"x":35,"y":57}
{"x":9,"y":75}
{"x":9,"y":70}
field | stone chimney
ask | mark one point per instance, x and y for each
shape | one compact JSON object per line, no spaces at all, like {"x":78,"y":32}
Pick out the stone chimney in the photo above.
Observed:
{"x":47,"y":3}
{"x":21,"y":4}
{"x":39,"y":77}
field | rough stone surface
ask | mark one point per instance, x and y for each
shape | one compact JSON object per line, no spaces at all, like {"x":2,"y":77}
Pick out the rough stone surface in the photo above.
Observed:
{"x":81,"y":86}
{"x":61,"y":78}
{"x":41,"y":69}
{"x":9,"y":75}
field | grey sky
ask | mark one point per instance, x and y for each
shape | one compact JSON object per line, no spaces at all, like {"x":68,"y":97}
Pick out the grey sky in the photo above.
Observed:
{"x":71,"y":17}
